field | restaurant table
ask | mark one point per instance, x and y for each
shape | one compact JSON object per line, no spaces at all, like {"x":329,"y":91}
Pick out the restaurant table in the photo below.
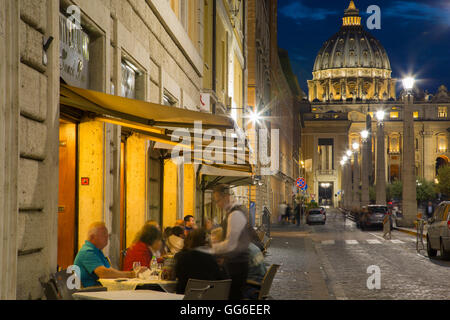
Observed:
{"x":131,"y":284}
{"x":127,"y":295}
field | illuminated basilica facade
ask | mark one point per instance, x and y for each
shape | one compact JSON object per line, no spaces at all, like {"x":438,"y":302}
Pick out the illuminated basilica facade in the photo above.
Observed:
{"x":352,"y":78}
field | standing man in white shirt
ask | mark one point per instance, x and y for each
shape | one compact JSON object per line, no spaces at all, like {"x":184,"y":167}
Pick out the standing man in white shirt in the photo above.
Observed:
{"x":234,"y":247}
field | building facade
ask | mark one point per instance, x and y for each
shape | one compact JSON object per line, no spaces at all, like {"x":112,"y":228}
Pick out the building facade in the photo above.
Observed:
{"x":276,"y":102}
{"x":352,"y":79}
{"x":66,"y":162}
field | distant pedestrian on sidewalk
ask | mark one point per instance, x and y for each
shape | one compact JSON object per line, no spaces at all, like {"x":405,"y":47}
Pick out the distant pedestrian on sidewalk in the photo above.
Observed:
{"x":429,"y":210}
{"x":387,"y":226}
{"x":297,"y":214}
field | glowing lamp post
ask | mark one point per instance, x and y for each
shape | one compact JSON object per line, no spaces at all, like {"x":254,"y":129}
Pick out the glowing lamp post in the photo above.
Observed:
{"x":409,"y":201}
{"x":380,"y":185}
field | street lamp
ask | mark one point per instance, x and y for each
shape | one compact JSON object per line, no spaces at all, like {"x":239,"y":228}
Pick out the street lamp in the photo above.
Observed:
{"x":365,"y":156}
{"x":408,"y":169}
{"x":380,"y":184}
{"x":255,"y":116}
{"x":380,"y":115}
{"x":356,"y":177}
{"x":364,"y":135}
{"x":349,"y":153}
{"x":408,"y":83}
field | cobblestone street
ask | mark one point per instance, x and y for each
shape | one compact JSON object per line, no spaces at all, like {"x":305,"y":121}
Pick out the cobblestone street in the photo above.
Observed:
{"x":331,"y":261}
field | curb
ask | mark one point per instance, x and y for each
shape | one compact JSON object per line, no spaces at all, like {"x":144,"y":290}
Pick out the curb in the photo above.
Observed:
{"x":409,"y":232}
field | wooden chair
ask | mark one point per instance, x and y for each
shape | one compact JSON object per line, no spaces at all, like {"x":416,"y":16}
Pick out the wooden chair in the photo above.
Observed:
{"x":266,"y":283}
{"x":64,"y":293}
{"x":207,"y":290}
{"x":50,"y":291}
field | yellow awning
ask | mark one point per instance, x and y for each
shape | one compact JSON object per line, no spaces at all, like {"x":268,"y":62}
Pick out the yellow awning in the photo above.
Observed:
{"x":154,"y":121}
{"x":146,"y":113}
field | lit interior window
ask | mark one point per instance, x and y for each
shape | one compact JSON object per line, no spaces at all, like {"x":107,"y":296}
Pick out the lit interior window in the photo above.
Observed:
{"x":442,"y":112}
{"x":416,"y":114}
{"x":393,"y":115}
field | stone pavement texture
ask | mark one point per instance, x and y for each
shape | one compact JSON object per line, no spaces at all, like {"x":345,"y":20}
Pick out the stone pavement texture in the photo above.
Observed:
{"x":331,"y":262}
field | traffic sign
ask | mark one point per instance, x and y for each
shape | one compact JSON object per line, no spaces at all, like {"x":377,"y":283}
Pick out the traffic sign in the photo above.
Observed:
{"x":300,"y":183}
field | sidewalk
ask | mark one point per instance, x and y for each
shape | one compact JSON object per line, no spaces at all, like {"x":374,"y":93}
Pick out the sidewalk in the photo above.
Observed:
{"x":412,"y":231}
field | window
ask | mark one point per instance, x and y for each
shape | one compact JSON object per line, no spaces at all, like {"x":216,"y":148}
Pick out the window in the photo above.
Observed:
{"x":128,"y":83}
{"x":132,"y":84}
{"x":169,"y":100}
{"x":325,"y":149}
{"x":442,"y":143}
{"x":416,"y":114}
{"x":442,"y":112}
{"x":371,"y":114}
{"x":393,"y":115}
{"x":394,"y":144}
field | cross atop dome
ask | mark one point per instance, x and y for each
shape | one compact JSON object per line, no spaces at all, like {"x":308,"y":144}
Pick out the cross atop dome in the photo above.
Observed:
{"x":351,"y":16}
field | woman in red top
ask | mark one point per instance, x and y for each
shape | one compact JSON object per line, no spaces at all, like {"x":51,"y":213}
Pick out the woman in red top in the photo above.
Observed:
{"x":147,"y":242}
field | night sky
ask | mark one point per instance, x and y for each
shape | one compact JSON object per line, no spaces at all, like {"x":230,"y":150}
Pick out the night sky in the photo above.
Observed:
{"x":415,"y":34}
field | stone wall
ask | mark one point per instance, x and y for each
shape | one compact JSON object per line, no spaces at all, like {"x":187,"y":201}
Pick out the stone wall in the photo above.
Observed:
{"x":38,"y":145}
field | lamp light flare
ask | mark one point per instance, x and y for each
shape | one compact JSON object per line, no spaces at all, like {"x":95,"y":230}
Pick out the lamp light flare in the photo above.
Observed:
{"x":342,"y":162}
{"x":408,"y":83}
{"x":344,"y":158}
{"x":380,"y":115}
{"x":355,"y":146}
{"x":349,"y":153}
{"x":365,"y":134}
{"x":255,"y":117}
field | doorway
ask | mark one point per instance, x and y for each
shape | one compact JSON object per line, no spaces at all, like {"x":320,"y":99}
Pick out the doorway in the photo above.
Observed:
{"x":440,"y":162}
{"x":155,"y":185}
{"x":123,"y":233}
{"x":326,"y":193}
{"x":67,"y":194}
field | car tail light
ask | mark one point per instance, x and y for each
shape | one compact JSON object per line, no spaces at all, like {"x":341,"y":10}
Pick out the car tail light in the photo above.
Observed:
{"x":448,"y":224}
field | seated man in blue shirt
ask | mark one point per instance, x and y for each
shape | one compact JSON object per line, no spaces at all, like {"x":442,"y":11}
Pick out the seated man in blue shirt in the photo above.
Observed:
{"x":92,"y":262}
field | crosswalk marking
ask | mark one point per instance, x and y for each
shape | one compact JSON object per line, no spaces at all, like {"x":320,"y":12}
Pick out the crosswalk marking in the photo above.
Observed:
{"x":368,"y":241}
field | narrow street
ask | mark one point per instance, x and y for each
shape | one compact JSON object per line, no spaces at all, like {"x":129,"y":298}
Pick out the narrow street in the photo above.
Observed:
{"x":330,"y":262}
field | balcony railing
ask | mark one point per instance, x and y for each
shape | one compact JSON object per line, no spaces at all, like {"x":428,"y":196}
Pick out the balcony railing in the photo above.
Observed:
{"x":325,"y":172}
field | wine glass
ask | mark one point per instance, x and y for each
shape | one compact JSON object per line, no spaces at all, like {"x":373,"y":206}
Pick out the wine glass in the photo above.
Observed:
{"x":136,"y":267}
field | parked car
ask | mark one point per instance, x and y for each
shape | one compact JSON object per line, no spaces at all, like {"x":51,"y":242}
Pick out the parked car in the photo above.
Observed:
{"x":316,"y":216}
{"x":373,"y":216}
{"x":438,"y":236}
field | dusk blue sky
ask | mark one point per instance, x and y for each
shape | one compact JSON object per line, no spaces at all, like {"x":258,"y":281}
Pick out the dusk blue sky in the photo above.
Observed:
{"x":415,"y":34}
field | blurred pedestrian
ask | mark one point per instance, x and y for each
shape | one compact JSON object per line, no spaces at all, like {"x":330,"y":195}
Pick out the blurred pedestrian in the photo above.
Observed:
{"x":282,"y":211}
{"x":387,"y":226}
{"x":288,"y":213}
{"x":297,"y":214}
{"x":429,"y":210}
{"x":234,"y":248}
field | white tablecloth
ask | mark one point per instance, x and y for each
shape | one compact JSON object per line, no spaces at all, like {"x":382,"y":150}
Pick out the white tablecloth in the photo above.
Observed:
{"x":131,"y":284}
{"x":128,"y":295}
